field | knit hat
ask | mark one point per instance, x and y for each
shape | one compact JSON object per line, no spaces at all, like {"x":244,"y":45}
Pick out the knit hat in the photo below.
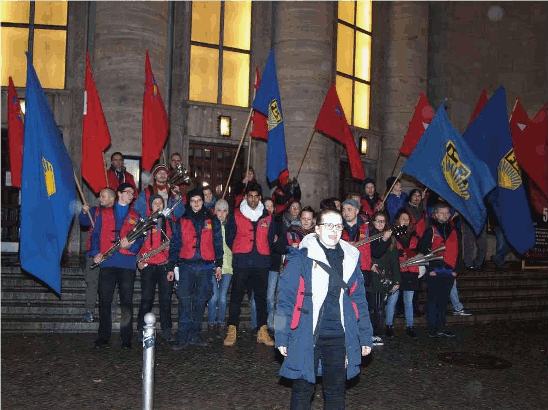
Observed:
{"x":194,"y":192}
{"x":351,"y":202}
{"x":412,"y":192}
{"x":390,"y":182}
{"x":221,"y":204}
{"x":159,"y":167}
{"x":369,"y":181}
{"x":152,"y":198}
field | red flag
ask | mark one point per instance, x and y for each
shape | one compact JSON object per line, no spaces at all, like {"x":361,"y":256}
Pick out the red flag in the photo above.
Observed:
{"x":479,"y":106}
{"x":421,"y":118}
{"x":16,"y":131}
{"x":260,"y":121}
{"x":155,"y":122}
{"x":332,"y":122}
{"x":518,"y":121}
{"x":95,"y":135}
{"x":531,"y":150}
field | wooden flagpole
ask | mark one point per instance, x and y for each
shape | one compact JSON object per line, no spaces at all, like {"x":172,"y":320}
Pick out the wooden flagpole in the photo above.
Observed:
{"x":391,"y":188}
{"x":105,"y":168}
{"x":306,"y":151}
{"x":83,"y":199}
{"x":238,"y":151}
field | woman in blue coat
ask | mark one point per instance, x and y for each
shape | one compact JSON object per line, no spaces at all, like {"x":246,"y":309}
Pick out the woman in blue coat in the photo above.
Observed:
{"x":322,"y":322}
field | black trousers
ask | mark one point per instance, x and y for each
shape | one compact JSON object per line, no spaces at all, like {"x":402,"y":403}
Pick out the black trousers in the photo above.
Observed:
{"x":108,"y":277}
{"x":334,"y":376}
{"x":245,"y":281}
{"x":151,"y":276}
{"x":439,"y":288}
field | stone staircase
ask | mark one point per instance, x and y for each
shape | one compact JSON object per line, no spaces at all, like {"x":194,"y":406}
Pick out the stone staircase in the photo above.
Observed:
{"x":491,"y":295}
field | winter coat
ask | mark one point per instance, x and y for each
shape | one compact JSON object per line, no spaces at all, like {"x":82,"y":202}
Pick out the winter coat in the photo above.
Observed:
{"x":299,"y":334}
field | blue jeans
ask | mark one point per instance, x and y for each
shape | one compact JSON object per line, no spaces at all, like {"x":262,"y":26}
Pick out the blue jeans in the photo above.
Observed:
{"x":454,"y":296}
{"x":408,"y":303}
{"x":502,"y":248}
{"x":218,"y":300}
{"x":270,"y":301}
{"x":194,"y":290}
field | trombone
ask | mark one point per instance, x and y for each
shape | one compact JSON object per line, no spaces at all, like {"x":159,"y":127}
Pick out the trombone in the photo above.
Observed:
{"x":423,"y":260}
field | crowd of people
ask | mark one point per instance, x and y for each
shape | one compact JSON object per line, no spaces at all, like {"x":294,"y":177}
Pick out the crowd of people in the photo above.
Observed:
{"x":303,"y":282}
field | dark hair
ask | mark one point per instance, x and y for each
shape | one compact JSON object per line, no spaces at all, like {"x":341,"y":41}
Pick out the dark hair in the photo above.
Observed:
{"x":326,"y":211}
{"x":125,"y":185}
{"x":400,"y":213}
{"x":294,"y":201}
{"x":440,"y":205}
{"x":207,"y":187}
{"x":387,"y":220}
{"x":412,"y":192}
{"x":308,"y":209}
{"x":254,"y":186}
{"x":175,"y":153}
{"x":328,"y":203}
{"x":116,"y":153}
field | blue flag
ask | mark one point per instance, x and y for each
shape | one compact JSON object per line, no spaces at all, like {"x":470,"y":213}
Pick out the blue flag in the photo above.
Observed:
{"x":444,"y":163}
{"x":48,"y":192}
{"x":267,"y":102}
{"x":489,"y":137}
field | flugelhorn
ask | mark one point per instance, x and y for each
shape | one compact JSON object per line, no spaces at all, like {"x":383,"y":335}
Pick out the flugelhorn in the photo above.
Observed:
{"x":423,"y":260}
{"x":178,"y":176}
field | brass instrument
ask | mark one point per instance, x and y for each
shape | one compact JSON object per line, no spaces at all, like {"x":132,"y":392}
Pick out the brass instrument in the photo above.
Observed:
{"x":423,"y":260}
{"x":178,"y":176}
{"x":396,"y":230}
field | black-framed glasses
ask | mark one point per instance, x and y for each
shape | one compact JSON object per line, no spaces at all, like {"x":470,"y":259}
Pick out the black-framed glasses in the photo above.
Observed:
{"x":330,"y":227}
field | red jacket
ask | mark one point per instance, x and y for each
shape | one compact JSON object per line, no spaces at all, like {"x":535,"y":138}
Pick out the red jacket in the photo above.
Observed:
{"x":365,"y":250}
{"x":366,"y":209}
{"x":114,"y":183}
{"x":153,"y":241}
{"x":408,"y":252}
{"x":188,"y":248}
{"x":451,"y":246}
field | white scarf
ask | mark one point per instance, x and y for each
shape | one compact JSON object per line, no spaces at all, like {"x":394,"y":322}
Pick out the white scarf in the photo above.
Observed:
{"x":251,"y":214}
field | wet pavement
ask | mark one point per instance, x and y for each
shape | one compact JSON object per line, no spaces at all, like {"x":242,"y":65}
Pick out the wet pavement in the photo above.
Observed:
{"x":63,"y":372}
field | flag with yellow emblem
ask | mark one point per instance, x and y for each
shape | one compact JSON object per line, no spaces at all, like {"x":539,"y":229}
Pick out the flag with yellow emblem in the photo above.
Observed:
{"x":48,"y":192}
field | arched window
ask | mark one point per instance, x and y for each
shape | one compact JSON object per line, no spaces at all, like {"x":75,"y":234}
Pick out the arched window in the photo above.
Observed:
{"x":220,"y":52}
{"x":41,"y":29}
{"x":353,"y":80}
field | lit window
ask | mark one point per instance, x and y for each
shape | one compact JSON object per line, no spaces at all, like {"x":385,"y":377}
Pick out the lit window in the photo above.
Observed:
{"x":38,"y":27}
{"x":220,"y":52}
{"x":354,"y":60}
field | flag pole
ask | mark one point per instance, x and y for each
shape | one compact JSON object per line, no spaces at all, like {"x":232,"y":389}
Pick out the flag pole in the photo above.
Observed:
{"x":392,"y":187}
{"x":248,"y":156}
{"x":395,"y":163}
{"x":513,"y":109}
{"x":83,"y":199}
{"x":306,"y":151}
{"x":238,"y":151}
{"x":105,"y":168}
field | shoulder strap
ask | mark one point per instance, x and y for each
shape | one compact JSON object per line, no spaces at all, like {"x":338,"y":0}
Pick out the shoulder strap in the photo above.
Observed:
{"x":338,"y":280}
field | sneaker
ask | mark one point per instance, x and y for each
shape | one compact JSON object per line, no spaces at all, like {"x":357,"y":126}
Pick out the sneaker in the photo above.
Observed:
{"x":462,"y":312}
{"x":377,"y":341}
{"x":88,"y":317}
{"x":433,"y":335}
{"x":199,"y":341}
{"x":99,"y":343}
{"x":446,"y":334}
{"x":410,"y":332}
{"x":179,"y":345}
{"x":389,"y":331}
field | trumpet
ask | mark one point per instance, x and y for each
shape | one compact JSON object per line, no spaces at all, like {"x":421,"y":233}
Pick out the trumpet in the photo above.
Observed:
{"x":423,"y":260}
{"x":178,"y":176}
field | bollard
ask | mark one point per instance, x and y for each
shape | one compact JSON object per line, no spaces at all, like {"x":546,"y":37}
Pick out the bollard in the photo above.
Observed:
{"x":149,"y":343}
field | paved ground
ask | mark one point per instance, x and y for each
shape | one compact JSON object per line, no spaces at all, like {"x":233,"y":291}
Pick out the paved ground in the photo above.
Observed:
{"x":63,"y":372}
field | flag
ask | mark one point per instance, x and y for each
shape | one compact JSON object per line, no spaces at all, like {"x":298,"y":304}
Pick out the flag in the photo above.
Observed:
{"x":332,"y":122}
{"x":260,"y":123}
{"x":518,"y":121}
{"x":15,"y":135}
{"x":421,"y":118}
{"x":95,"y":135}
{"x":48,"y":193}
{"x":155,"y":122}
{"x":267,"y":102}
{"x":531,"y":150}
{"x":482,"y":100}
{"x":443,"y":162}
{"x":489,"y":138}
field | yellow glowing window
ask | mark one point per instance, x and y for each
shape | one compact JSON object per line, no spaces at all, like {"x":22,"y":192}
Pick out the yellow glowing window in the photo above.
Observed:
{"x":220,"y":52}
{"x":354,"y":33}
{"x":41,"y":29}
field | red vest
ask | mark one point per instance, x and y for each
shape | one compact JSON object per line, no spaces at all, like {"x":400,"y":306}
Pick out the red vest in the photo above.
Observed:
{"x":114,"y":183}
{"x":246,"y":235}
{"x":366,"y":209}
{"x":108,"y":229}
{"x":97,"y":210}
{"x":408,"y":253}
{"x":153,"y":241}
{"x":420,"y":225}
{"x":365,"y":250}
{"x":188,"y":248}
{"x":451,"y":246}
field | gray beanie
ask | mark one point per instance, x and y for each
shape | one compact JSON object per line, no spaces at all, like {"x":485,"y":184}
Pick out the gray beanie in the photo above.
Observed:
{"x":351,"y":202}
{"x":221,"y":204}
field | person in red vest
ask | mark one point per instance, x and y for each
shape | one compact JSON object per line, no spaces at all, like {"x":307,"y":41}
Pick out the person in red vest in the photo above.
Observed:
{"x":117,"y":173}
{"x":154,"y":271}
{"x":440,"y":275}
{"x":113,"y":224}
{"x":250,"y":234}
{"x":371,"y":201}
{"x":106,"y":200}
{"x":286,"y":193}
{"x":197,"y":249}
{"x":174,"y":160}
{"x":415,"y":207}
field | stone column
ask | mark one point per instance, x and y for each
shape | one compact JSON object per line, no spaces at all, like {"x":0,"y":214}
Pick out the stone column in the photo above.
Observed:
{"x":123,"y":33}
{"x":303,"y":44}
{"x":406,"y":75}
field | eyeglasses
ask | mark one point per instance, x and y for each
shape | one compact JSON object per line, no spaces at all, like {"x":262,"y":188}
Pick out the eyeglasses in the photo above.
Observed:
{"x":380,"y":221}
{"x":330,"y":227}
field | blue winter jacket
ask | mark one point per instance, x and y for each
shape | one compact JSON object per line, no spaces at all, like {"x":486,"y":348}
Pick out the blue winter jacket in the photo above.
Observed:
{"x":299,"y":335}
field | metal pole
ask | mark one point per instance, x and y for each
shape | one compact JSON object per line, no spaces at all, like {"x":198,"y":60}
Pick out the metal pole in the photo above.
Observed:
{"x":149,"y":343}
